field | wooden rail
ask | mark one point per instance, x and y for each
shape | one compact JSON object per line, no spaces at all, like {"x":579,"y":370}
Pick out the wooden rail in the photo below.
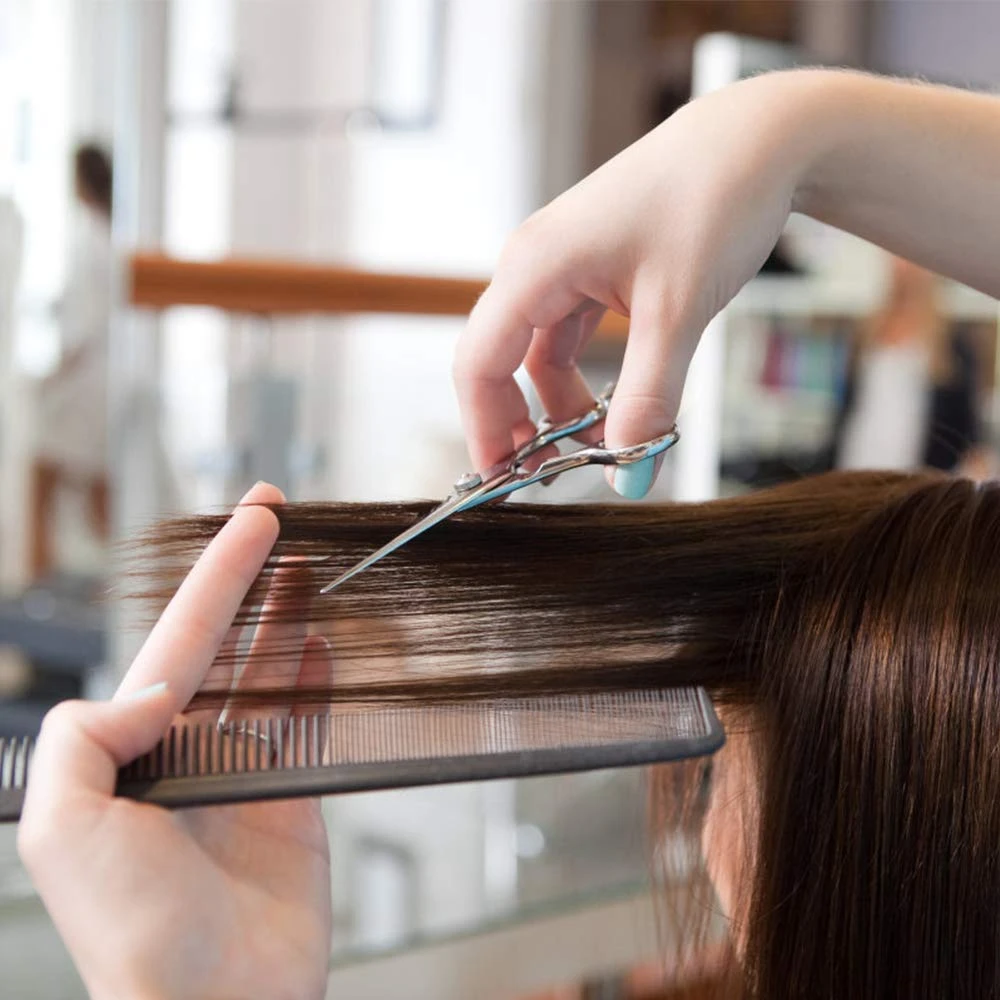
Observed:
{"x":259,"y":286}
{"x":274,"y":287}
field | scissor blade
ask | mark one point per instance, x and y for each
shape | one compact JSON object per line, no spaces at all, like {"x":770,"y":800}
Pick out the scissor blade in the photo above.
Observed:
{"x":437,"y":515}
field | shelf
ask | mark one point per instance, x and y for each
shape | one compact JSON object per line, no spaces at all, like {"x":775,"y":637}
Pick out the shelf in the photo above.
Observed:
{"x":821,"y":297}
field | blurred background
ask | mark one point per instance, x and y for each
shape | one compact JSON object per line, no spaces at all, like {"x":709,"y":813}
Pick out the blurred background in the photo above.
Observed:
{"x":237,"y":241}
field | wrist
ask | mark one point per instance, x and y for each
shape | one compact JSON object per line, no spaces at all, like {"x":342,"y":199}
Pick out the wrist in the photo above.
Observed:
{"x":853,"y":118}
{"x":814,"y":115}
{"x":794,"y":119}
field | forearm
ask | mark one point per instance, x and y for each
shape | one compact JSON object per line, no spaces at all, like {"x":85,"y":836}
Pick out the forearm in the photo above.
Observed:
{"x":670,"y":229}
{"x":909,"y":166}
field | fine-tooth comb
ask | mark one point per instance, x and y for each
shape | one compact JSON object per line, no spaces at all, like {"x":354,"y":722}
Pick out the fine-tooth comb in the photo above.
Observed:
{"x":365,"y":746}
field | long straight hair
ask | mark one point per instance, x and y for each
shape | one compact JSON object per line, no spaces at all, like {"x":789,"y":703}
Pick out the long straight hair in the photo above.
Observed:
{"x":852,"y":621}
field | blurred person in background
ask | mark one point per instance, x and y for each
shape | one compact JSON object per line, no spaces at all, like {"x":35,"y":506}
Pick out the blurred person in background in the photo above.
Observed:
{"x":910,"y":399}
{"x":69,"y":473}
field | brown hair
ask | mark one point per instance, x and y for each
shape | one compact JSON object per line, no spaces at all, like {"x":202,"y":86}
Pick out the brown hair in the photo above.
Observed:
{"x":852,"y":619}
{"x":93,"y":174}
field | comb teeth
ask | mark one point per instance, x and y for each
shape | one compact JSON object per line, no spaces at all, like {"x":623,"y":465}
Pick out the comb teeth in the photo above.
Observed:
{"x":370,"y":745}
{"x":15,"y":757}
{"x":206,"y":749}
{"x":15,"y":760}
{"x":190,"y":751}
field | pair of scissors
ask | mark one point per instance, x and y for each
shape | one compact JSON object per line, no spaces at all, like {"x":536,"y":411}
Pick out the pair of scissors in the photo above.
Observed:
{"x":474,"y":489}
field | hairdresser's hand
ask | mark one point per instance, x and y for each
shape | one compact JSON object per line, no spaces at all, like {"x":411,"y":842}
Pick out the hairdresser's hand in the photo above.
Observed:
{"x":669,"y":230}
{"x":665,"y":233}
{"x":211,"y":903}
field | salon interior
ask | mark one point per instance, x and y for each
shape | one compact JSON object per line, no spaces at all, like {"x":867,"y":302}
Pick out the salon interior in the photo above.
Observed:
{"x":238,"y":241}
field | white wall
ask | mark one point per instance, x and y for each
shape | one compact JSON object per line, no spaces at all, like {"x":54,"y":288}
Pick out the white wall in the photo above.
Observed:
{"x":440,"y":200}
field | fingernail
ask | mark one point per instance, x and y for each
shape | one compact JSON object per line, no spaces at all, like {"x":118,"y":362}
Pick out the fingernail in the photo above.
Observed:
{"x":143,"y":693}
{"x":319,"y":642}
{"x":633,"y":481}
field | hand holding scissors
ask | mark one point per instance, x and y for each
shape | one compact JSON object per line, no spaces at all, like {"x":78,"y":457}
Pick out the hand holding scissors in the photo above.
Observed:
{"x":516,"y":472}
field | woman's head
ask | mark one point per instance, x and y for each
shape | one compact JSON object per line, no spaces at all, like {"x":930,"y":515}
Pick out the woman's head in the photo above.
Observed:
{"x":876,"y":868}
{"x":849,"y":629}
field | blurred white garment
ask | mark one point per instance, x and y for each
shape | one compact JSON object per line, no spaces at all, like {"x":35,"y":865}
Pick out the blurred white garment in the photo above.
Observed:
{"x":886,"y":427}
{"x":11,"y":242}
{"x":72,"y":402}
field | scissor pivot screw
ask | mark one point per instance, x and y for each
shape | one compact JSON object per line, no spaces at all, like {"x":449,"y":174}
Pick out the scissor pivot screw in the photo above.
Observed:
{"x":468,"y":482}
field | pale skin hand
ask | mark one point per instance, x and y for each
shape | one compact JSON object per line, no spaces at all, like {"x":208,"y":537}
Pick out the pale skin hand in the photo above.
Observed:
{"x":669,"y":230}
{"x":210,"y":903}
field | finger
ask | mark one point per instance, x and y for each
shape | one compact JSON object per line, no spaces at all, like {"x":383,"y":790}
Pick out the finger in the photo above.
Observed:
{"x":523,"y":431}
{"x":316,"y":674}
{"x":490,"y":409}
{"x":491,"y":348}
{"x":648,"y":392}
{"x":276,"y":652}
{"x":552,"y":364}
{"x":186,"y":639}
{"x":79,"y":750}
{"x":220,"y":675}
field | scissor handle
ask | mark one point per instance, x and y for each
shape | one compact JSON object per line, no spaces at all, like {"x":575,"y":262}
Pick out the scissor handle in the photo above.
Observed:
{"x":549,"y":433}
{"x":594,"y":455}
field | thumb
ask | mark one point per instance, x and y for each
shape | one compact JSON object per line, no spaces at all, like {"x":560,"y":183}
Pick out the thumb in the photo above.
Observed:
{"x":647,"y":396}
{"x":80,"y":748}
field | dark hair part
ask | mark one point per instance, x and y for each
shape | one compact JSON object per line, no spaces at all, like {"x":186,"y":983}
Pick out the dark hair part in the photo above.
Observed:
{"x":854,"y":619}
{"x":94,"y":177}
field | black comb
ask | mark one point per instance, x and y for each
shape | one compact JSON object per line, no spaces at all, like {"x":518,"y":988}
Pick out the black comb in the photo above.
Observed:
{"x":357,"y":747}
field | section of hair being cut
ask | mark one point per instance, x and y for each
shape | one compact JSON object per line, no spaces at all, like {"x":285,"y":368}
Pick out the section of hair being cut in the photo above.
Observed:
{"x":846,"y":626}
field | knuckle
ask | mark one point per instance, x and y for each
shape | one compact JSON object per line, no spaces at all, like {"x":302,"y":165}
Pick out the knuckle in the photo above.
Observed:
{"x":663,"y":306}
{"x":524,"y":236}
{"x":59,"y":717}
{"x":556,"y":347}
{"x":525,"y":248}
